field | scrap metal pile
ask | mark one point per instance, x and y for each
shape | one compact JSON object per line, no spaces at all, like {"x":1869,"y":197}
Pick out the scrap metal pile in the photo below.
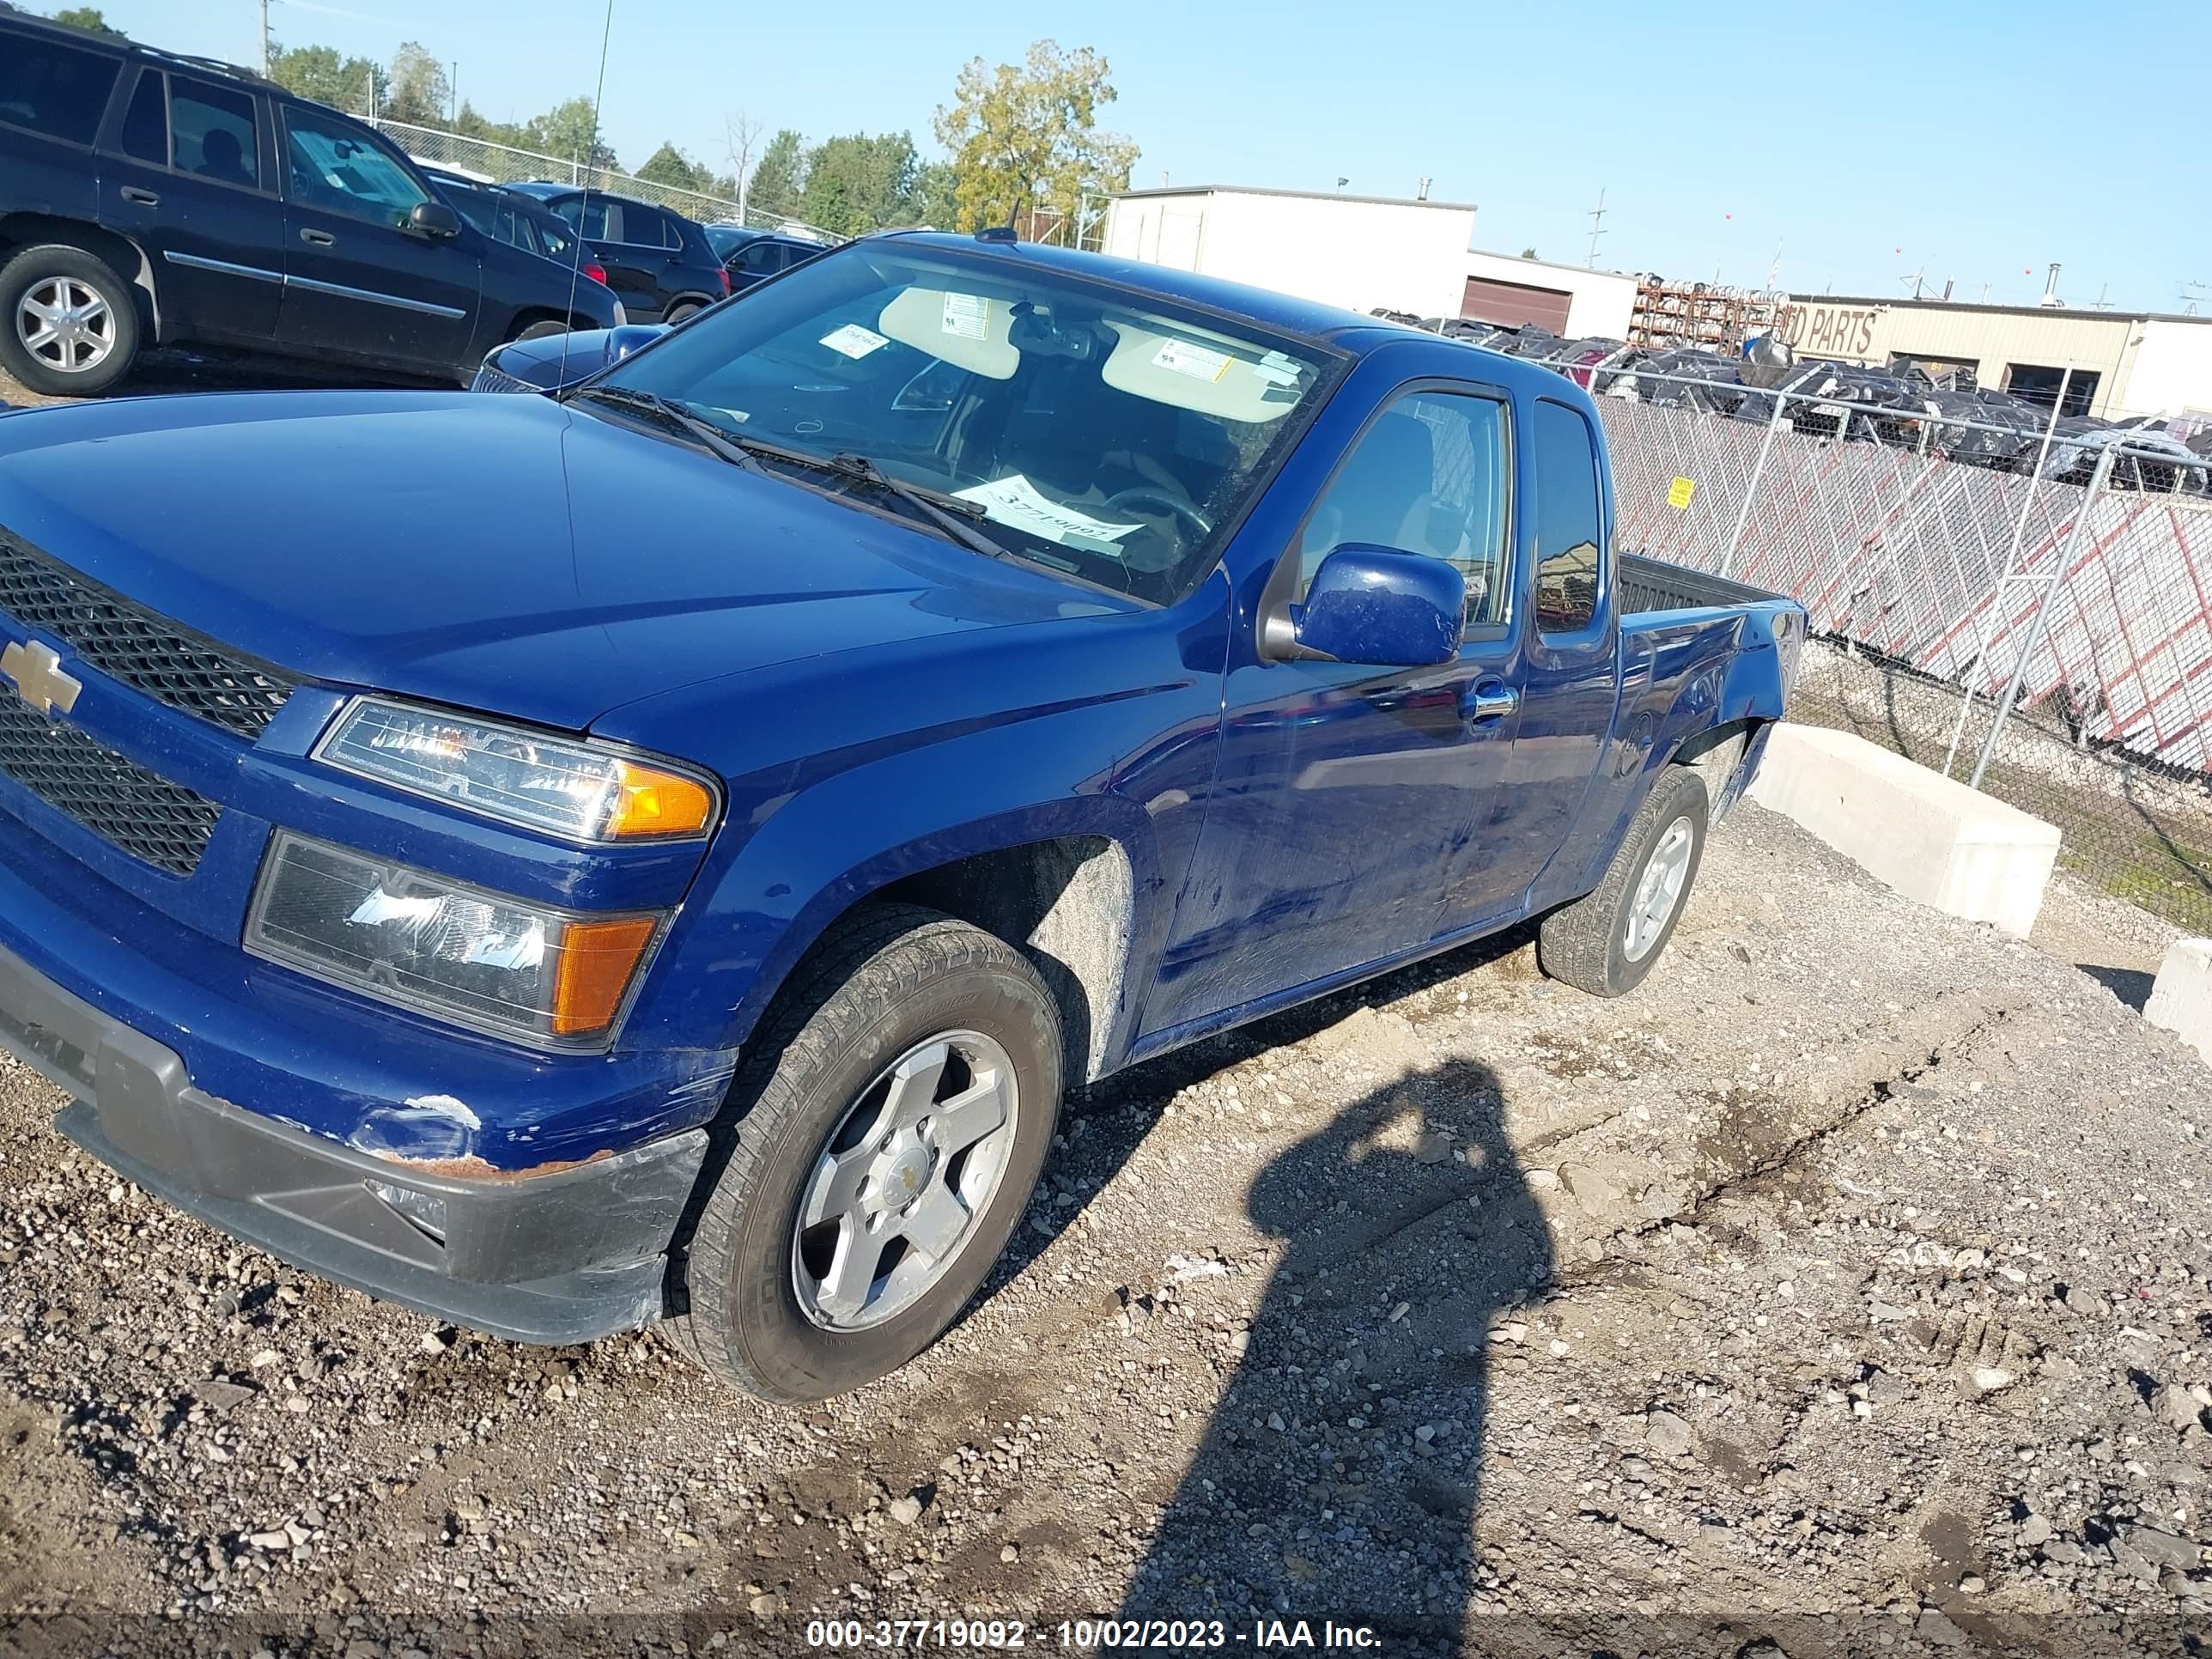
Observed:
{"x":1946,"y":414}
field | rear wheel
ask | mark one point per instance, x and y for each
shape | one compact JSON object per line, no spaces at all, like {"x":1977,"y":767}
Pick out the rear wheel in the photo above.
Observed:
{"x":683,"y":311}
{"x":69,"y":326}
{"x":539,"y":330}
{"x":1605,"y":942}
{"x":901,"y":1106}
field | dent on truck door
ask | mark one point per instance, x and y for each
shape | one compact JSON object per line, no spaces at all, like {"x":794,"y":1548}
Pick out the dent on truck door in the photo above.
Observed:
{"x":1345,"y":791}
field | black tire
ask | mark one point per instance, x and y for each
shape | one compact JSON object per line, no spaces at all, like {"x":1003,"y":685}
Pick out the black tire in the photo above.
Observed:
{"x":56,"y":262}
{"x":1586,"y":944}
{"x":882,"y":982}
{"x":538,"y":330}
{"x":682,"y":310}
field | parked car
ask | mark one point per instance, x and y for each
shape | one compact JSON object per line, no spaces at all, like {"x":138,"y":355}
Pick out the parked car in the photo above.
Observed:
{"x":752,"y":256}
{"x":679,"y":875}
{"x":658,"y":262}
{"x":148,"y":197}
{"x":519,"y":221}
{"x":535,"y":365}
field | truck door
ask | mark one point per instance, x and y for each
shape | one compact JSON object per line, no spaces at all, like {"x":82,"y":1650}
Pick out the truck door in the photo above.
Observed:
{"x":1567,"y":674}
{"x":187,"y":178}
{"x":1345,"y":791}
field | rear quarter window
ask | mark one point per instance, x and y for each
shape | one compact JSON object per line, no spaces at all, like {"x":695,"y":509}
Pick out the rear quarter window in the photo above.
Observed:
{"x":53,"y":89}
{"x":1567,"y":522}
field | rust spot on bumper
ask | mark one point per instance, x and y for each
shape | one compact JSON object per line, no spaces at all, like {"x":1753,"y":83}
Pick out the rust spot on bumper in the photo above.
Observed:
{"x":473,"y":1168}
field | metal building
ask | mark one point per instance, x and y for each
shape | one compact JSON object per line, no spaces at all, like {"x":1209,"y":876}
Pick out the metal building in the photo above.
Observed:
{"x":2124,"y":363}
{"x":1364,"y":252}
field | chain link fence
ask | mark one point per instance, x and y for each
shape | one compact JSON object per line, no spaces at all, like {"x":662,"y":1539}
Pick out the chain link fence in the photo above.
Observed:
{"x":501,"y":164}
{"x":2024,"y":602}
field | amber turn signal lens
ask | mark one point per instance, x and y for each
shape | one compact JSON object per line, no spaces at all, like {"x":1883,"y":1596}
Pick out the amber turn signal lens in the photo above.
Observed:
{"x":650,"y":802}
{"x":597,"y":961}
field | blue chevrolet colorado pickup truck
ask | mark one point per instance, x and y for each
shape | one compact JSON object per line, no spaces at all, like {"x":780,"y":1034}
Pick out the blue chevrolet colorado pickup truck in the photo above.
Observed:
{"x":662,"y":851}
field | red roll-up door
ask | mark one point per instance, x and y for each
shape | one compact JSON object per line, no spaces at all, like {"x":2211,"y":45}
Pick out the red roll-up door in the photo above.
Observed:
{"x":1514,"y":303}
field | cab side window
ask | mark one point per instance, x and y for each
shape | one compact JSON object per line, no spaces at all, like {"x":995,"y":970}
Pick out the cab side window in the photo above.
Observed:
{"x":1568,"y":521}
{"x":212,"y":132}
{"x":1430,"y":476}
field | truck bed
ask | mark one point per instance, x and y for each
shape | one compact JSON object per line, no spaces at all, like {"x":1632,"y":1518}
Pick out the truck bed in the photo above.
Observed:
{"x":1644,"y":584}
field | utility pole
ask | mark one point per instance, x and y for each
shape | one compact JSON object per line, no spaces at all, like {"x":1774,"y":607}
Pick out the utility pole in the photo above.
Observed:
{"x":265,"y":39}
{"x":1596,"y":217}
{"x":454,"y":90}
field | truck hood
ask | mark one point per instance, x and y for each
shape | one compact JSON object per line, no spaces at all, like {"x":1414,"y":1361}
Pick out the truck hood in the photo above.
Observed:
{"x":502,"y":554}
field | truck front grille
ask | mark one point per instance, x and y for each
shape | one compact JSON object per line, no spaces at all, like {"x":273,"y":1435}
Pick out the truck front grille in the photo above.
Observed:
{"x":156,"y":822}
{"x":131,"y":643}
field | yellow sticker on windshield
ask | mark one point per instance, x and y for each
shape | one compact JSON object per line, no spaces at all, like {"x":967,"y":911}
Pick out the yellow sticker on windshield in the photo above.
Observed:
{"x":1679,"y":491}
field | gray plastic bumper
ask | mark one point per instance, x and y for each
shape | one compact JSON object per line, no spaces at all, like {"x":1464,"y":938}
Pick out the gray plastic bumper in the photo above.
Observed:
{"x":559,"y":1257}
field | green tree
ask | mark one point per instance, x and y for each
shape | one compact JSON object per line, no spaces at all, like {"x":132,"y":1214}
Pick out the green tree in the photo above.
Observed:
{"x":779,"y":178}
{"x":570,"y":130}
{"x":859,"y":183}
{"x":1528,"y":253}
{"x":1025,"y":138}
{"x":669,"y":166}
{"x":935,"y":202}
{"x":318,"y":72}
{"x":87,"y":18}
{"x":420,"y":94}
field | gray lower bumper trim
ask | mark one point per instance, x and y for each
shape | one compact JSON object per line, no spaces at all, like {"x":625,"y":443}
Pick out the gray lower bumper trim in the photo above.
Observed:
{"x":556,"y":1258}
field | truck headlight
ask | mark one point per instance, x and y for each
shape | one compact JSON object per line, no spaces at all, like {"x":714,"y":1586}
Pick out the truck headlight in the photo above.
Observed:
{"x":578,"y":790}
{"x":548,"y":977}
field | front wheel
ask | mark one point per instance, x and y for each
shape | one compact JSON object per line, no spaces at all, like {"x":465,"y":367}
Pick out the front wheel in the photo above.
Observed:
{"x":69,"y":326}
{"x":901,"y":1106}
{"x":1607,"y":941}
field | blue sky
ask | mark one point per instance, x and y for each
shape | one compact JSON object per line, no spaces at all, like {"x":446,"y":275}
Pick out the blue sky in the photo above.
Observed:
{"x":1864,"y":142}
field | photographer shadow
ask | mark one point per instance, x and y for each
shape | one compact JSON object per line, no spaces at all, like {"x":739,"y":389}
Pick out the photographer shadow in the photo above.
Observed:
{"x":1339,"y":1475}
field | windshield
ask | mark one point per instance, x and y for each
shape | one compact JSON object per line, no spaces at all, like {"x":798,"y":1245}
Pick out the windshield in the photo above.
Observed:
{"x":1080,"y":427}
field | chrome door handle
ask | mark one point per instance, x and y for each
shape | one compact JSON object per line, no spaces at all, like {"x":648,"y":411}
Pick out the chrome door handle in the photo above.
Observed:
{"x":1488,"y":701}
{"x":144,"y":197}
{"x":319,"y":238}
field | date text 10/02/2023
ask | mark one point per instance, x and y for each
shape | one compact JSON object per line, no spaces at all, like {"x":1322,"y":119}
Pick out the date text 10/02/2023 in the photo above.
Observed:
{"x":1090,"y":1635}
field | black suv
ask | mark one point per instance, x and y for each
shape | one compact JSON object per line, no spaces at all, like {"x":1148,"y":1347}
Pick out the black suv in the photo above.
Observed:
{"x":147,"y":196}
{"x":658,"y":262}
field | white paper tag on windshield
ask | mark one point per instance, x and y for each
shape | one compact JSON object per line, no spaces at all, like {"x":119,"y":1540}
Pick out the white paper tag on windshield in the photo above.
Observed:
{"x":1014,"y":500}
{"x":855,"y":341}
{"x":1200,"y":363}
{"x":967,"y":316}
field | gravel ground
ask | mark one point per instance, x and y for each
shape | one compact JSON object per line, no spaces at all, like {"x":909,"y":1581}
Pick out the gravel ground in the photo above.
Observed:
{"x":1844,"y":1290}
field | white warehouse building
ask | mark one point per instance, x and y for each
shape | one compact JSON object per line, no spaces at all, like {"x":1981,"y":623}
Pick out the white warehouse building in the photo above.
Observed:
{"x":1358,"y":252}
{"x":1362,"y":252}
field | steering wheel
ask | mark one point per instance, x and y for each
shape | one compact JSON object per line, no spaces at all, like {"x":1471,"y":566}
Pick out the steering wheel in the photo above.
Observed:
{"x":1143,"y":496}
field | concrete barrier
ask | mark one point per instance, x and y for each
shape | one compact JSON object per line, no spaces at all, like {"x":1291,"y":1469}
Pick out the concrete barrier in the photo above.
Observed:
{"x":1927,"y":836}
{"x":2181,"y":996}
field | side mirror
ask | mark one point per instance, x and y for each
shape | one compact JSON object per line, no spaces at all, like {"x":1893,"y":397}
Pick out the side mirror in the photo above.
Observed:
{"x":434,"y":219}
{"x":1380,"y":606}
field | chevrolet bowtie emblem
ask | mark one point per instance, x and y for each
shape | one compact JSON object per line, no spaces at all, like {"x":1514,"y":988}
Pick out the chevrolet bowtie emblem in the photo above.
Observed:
{"x":37,"y":673}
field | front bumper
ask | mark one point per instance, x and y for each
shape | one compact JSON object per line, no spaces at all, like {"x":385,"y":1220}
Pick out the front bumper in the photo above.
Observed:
{"x":559,"y":1256}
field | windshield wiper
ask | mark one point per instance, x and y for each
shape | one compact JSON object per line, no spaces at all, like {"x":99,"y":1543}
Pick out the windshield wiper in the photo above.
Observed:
{"x":956,"y":519}
{"x":673,"y":413}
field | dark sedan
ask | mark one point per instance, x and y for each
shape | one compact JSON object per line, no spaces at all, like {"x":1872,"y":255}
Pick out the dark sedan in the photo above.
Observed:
{"x":754,"y":256}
